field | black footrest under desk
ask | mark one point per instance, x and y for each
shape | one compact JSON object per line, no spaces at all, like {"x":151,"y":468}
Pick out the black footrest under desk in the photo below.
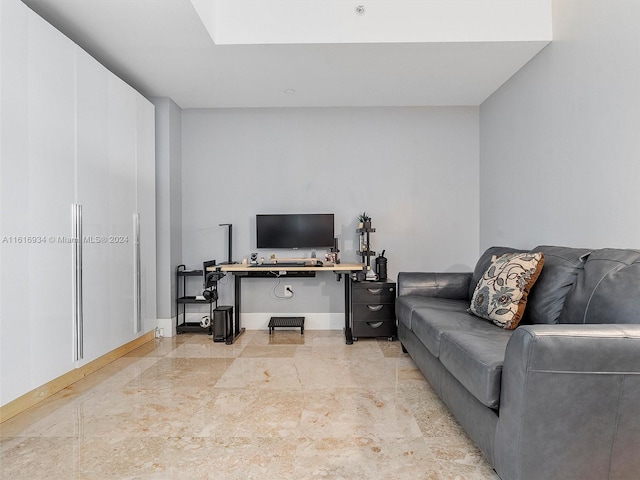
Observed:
{"x":286,"y":322}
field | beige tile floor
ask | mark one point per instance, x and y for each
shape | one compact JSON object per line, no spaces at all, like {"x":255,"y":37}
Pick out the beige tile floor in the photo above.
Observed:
{"x":281,"y":406}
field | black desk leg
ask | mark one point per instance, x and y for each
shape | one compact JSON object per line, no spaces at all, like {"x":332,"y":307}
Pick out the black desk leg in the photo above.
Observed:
{"x":347,"y":309}
{"x":236,"y":331}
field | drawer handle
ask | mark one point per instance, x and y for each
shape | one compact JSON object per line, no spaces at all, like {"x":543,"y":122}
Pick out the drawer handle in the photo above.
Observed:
{"x":375,"y":308}
{"x":375,"y":324}
{"x":374,"y":291}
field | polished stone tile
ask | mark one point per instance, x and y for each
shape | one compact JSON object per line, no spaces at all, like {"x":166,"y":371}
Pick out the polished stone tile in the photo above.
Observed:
{"x":339,"y":350}
{"x":347,"y":412}
{"x":287,"y":337}
{"x":317,"y":371}
{"x":271,"y":351}
{"x":209,"y":349}
{"x":231,"y":458}
{"x":261,"y":373}
{"x":251,"y":413}
{"x":362,"y":458}
{"x":178,"y":372}
{"x":35,"y":457}
{"x":281,"y":406}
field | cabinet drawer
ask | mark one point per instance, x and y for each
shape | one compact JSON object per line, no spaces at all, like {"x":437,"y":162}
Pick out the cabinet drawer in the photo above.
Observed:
{"x":374,"y":312}
{"x":374,"y":329}
{"x":374,"y":293}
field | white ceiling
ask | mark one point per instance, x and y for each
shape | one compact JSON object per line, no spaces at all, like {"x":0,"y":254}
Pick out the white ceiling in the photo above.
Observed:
{"x":162,"y":48}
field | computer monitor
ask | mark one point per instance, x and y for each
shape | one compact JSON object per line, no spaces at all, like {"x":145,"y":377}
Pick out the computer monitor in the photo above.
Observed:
{"x":301,"y":230}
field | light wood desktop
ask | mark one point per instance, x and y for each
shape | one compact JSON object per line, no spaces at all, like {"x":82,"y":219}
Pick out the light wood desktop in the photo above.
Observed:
{"x":240,"y":267}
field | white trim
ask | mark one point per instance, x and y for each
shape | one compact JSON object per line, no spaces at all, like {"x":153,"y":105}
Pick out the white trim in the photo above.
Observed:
{"x":312,"y":321}
{"x":168,"y":326}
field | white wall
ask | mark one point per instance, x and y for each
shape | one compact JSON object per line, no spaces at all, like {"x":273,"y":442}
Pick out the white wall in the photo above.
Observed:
{"x":415,"y":170}
{"x":168,"y":206}
{"x":560,"y":142}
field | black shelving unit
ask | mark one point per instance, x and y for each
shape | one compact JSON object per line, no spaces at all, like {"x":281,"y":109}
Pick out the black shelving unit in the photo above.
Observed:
{"x":182,"y":300}
{"x":365,"y":251}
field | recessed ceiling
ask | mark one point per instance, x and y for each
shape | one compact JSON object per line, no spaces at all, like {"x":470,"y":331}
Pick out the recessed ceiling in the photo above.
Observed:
{"x":162,"y":48}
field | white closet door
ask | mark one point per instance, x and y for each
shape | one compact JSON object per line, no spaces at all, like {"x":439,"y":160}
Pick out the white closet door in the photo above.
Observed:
{"x":71,"y":132}
{"x":146,"y":206}
{"x":15,"y":359}
{"x":122,"y":123}
{"x":50,"y":194}
{"x":93,"y":183}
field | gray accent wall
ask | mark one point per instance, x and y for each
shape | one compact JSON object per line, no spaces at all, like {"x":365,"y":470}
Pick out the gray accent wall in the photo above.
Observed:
{"x":414,"y":170}
{"x":560,"y":141}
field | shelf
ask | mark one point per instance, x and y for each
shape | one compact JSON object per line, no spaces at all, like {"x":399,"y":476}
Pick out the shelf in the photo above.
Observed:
{"x":189,"y":273}
{"x":365,"y":230}
{"x":368,"y":253}
{"x":192,"y":327}
{"x":182,"y":300}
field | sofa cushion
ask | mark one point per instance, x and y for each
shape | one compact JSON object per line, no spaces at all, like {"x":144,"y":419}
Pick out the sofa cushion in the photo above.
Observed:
{"x":475,"y":358}
{"x":406,"y":304}
{"x":502,"y":291}
{"x":430,"y":322}
{"x":606,"y":290}
{"x":546,"y":298}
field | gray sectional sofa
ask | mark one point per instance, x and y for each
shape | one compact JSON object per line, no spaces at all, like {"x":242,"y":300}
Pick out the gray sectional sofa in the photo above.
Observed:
{"x":559,"y":396}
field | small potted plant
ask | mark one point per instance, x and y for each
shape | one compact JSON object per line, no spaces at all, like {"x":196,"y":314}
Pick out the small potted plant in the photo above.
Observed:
{"x":365,"y":220}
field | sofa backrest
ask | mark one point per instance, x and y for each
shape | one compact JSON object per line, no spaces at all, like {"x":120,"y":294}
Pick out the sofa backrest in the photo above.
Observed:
{"x":578,"y":285}
{"x":546,"y":299}
{"x":606,"y":290}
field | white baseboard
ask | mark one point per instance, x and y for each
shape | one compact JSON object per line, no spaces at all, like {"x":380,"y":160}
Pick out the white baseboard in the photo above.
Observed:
{"x":312,"y":321}
{"x":260,"y":321}
{"x":167,"y":326}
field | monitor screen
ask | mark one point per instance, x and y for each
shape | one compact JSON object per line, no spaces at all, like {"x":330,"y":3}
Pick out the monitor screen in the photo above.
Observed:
{"x":302,"y":230}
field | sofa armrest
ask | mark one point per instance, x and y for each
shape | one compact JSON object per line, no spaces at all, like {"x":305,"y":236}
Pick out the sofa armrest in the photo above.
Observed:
{"x":570,"y":403}
{"x":442,"y":285}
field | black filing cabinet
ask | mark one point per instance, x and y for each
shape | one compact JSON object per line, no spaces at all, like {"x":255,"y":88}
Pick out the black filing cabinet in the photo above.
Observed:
{"x":373,"y":309}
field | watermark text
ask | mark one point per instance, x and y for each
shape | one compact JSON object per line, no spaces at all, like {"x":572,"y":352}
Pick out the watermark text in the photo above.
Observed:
{"x":62,"y":239}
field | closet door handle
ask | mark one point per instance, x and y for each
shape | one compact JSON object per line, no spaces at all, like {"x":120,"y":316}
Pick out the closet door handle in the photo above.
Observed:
{"x":137,"y":279}
{"x":78,"y":319}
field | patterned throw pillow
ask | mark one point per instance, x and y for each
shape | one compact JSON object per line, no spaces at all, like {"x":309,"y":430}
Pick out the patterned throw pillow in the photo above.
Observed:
{"x":501,"y":293}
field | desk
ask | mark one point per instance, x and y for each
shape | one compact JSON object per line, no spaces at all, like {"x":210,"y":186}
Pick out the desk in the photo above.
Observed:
{"x":241,"y":271}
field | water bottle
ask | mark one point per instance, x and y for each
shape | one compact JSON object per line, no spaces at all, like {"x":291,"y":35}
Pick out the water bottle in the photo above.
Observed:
{"x":381,"y":266}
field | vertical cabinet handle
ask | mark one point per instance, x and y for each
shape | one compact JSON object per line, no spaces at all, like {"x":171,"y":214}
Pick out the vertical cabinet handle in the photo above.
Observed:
{"x":137,"y":286}
{"x":76,"y":233}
